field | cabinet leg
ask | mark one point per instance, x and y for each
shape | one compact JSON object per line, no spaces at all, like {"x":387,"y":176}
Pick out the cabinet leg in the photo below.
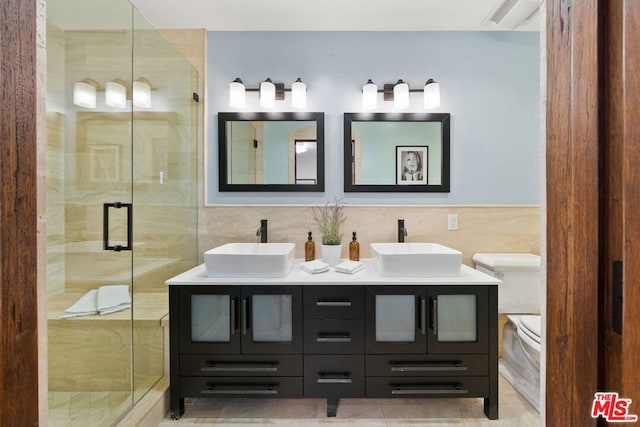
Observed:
{"x":177,"y":408}
{"x":332,"y":407}
{"x":491,"y":407}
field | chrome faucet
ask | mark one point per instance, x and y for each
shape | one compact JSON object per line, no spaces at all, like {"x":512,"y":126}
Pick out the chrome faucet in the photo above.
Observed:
{"x":262,"y":231}
{"x":402,"y":231}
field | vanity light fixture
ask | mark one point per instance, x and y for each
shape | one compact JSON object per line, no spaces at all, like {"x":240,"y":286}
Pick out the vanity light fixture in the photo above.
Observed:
{"x":269,"y":93}
{"x":115,"y":95}
{"x":85,"y":93}
{"x":399,"y":93}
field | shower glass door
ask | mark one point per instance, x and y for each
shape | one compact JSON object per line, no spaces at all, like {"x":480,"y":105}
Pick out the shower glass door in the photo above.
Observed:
{"x":121,"y":204}
{"x":89,"y":197}
{"x":164,"y":132}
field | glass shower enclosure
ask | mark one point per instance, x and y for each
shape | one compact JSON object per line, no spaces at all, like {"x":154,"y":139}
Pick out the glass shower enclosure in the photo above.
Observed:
{"x":121,"y":204}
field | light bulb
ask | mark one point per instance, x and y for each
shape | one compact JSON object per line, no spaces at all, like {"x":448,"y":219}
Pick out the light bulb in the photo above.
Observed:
{"x":401,"y":95}
{"x":237,"y":94}
{"x":84,"y":95}
{"x":369,"y":96}
{"x":299,"y":94}
{"x":141,"y":94}
{"x":431,"y":94}
{"x":267,"y":94}
{"x":115,"y":95}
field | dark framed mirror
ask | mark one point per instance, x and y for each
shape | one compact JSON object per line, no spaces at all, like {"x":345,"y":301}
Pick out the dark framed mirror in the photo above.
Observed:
{"x":397,"y":152}
{"x":271,"y":151}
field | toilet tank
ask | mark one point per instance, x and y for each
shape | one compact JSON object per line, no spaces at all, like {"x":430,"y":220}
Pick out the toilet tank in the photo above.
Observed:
{"x":519,"y":292}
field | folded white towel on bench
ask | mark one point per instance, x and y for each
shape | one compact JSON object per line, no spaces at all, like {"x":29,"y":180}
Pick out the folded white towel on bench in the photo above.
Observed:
{"x":113,"y":298}
{"x":104,"y":300}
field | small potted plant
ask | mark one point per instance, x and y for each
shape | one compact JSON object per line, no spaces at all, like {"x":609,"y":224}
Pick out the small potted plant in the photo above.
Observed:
{"x":330,"y":219}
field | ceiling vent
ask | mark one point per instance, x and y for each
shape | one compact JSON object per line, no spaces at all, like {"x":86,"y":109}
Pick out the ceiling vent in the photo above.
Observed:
{"x":510,"y":14}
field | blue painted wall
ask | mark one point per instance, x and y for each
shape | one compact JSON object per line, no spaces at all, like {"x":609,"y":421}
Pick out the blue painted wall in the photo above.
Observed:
{"x":489,"y":83}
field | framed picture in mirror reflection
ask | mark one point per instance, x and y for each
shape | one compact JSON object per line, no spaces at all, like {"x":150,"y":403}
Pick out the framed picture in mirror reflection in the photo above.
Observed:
{"x":412,"y":164}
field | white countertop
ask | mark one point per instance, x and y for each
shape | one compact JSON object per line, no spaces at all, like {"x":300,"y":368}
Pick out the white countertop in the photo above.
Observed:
{"x":366,"y":276}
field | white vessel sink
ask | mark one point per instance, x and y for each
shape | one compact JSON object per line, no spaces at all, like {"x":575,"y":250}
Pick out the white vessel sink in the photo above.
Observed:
{"x":250,"y":260}
{"x":416,"y":260}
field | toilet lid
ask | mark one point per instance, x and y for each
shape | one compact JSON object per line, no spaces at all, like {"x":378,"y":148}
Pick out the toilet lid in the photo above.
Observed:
{"x":507,"y":261}
{"x":530,"y":325}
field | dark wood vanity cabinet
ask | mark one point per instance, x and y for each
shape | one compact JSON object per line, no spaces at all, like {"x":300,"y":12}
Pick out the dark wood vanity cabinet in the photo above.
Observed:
{"x":235,"y":341}
{"x":333,"y":342}
{"x":432,"y":341}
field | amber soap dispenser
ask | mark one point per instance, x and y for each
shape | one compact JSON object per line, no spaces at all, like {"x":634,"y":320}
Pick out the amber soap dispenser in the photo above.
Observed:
{"x":354,"y":249}
{"x":309,"y":249}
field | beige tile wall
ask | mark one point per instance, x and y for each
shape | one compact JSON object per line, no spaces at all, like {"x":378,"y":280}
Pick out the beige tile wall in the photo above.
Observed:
{"x":481,"y":228}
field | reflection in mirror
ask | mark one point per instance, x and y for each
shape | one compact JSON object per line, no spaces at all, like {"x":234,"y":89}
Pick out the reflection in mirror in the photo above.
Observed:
{"x":271,"y":151}
{"x":396,"y":152}
{"x":306,"y":158}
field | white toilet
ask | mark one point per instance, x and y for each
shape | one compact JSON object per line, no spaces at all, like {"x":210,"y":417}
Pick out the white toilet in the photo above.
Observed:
{"x":518,"y":299}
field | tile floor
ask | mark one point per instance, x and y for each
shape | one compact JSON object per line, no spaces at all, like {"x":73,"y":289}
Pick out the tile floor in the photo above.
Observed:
{"x":89,"y":408}
{"x":514,"y":412}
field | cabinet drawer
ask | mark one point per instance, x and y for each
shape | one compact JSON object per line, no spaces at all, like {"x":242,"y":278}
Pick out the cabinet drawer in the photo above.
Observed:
{"x":408,"y":387}
{"x":333,"y":302}
{"x":415,"y":365}
{"x":240,"y":387}
{"x":240,"y":365}
{"x":334,"y":376}
{"x":333,"y":336}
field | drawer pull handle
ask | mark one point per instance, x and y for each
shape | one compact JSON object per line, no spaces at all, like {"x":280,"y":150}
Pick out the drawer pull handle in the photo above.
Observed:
{"x":433,"y":367}
{"x":233,"y":316}
{"x":333,"y":303}
{"x":435,"y":317}
{"x":334,"y":338}
{"x":455,"y":389}
{"x":334,"y":380}
{"x":423,"y":316}
{"x":239,"y":367}
{"x":240,"y":389}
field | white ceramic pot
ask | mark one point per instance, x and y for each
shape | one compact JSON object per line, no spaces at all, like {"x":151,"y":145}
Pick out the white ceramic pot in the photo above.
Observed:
{"x":331,"y":254}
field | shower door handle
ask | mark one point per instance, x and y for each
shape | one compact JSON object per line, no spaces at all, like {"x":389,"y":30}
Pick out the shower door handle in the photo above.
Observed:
{"x":105,"y":226}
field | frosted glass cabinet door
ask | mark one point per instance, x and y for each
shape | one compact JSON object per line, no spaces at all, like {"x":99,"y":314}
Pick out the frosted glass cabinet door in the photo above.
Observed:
{"x":271,"y":319}
{"x":209,"y":319}
{"x":396,"y":319}
{"x":458,"y":319}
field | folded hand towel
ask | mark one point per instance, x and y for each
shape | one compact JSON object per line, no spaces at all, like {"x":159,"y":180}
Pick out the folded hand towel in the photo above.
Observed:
{"x":348,"y":267}
{"x":112,"y":298}
{"x":85,"y":306}
{"x":104,"y":300}
{"x":314,"y":266}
